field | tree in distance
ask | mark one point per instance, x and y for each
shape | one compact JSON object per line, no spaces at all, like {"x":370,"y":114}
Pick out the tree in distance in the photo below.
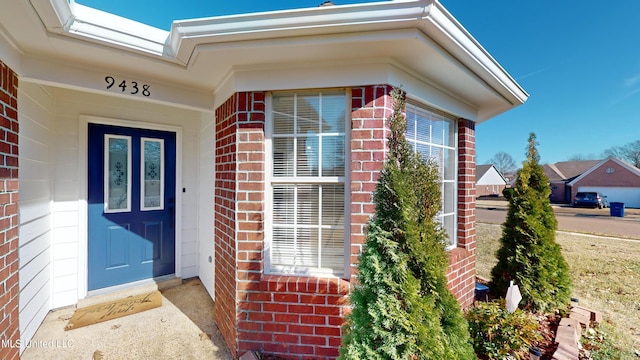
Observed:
{"x":629,"y":152}
{"x":503,"y":162}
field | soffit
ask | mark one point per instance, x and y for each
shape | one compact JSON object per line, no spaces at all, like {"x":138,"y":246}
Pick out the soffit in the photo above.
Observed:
{"x":418,"y":36}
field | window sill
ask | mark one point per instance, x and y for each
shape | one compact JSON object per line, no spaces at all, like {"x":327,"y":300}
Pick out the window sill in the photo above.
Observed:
{"x":304,"y":284}
{"x":458,"y":254}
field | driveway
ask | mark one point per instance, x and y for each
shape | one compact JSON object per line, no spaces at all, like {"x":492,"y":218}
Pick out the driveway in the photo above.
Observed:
{"x":591,"y":221}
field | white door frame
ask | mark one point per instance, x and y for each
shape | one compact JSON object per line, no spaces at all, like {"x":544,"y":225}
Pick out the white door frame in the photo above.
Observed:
{"x":82,"y":201}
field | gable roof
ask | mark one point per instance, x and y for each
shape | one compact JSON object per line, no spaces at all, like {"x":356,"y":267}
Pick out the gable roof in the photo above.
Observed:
{"x":567,"y":170}
{"x":416,"y":44}
{"x":482,"y":170}
{"x":620,"y":162}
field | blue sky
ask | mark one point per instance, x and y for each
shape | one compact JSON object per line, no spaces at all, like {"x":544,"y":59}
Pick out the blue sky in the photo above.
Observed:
{"x":578,"y":60}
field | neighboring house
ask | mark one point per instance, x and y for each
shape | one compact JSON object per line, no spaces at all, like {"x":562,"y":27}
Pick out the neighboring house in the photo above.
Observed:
{"x":561,"y":173}
{"x":616,"y":179}
{"x":489,"y":181}
{"x":240,"y":149}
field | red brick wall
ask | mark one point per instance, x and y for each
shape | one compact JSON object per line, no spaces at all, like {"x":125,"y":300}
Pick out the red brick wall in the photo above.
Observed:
{"x":9,"y":330}
{"x":225,"y":222}
{"x":300,"y":317}
{"x":462,"y":260}
{"x":558,"y":192}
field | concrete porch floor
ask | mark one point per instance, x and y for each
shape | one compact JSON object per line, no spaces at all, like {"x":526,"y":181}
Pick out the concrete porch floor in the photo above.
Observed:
{"x":182,"y":328}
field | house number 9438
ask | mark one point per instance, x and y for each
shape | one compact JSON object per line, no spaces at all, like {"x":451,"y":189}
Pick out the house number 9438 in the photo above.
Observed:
{"x":131,"y":86}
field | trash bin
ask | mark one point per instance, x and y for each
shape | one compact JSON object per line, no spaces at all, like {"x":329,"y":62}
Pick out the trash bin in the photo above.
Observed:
{"x":482,"y":292}
{"x":616,"y":209}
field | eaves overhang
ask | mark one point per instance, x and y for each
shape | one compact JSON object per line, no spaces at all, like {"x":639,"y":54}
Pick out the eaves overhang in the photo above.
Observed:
{"x":189,"y":39}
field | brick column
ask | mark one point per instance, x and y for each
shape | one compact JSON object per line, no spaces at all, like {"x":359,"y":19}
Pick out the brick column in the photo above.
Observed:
{"x":239,"y":202}
{"x":462,"y":260}
{"x":371,"y":107}
{"x":225,"y":222}
{"x":9,"y":329}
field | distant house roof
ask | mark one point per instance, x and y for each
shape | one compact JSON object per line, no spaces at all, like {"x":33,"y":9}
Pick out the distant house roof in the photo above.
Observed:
{"x":568,"y":170}
{"x":482,"y":169}
{"x":494,"y":176}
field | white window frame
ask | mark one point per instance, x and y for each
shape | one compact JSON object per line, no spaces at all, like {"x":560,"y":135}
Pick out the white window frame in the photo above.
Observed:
{"x":142,"y":174}
{"x":270,"y":180}
{"x":434,"y":114}
{"x":106,"y":185}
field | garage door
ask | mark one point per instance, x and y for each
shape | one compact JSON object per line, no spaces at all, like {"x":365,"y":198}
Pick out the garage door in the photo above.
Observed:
{"x":629,"y":196}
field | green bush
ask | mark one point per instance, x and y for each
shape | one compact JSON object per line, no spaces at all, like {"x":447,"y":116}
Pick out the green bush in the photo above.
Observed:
{"x":529,"y":254}
{"x":401,"y":307}
{"x":496,"y":332}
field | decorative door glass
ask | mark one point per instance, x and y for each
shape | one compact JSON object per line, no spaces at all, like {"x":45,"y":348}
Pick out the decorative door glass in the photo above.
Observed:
{"x":152,"y":173}
{"x":118,"y":173}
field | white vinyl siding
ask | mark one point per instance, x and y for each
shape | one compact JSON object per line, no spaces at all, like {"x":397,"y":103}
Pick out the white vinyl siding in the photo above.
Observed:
{"x":206,"y":191}
{"x":306,"y":138}
{"x":36,"y":141}
{"x":435,"y":137}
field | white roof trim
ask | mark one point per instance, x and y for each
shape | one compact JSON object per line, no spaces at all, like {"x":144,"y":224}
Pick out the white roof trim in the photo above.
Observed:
{"x":179,"y":45}
{"x":482,"y":60}
{"x":620,"y":162}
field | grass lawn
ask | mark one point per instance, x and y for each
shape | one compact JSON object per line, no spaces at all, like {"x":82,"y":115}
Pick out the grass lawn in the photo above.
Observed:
{"x":606,"y":277}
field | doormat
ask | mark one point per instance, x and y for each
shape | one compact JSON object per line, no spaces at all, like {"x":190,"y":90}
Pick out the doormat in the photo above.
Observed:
{"x":114,"y":309}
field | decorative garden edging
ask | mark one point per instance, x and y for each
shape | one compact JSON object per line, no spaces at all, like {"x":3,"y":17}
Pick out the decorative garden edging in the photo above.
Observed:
{"x":570,"y":331}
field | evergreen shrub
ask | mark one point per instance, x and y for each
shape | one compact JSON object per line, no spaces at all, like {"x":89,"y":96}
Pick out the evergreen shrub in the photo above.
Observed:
{"x":529,"y":254}
{"x":401,"y":307}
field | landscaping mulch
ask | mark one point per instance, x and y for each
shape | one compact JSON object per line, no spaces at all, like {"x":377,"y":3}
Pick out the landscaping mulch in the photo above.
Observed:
{"x":548,"y":329}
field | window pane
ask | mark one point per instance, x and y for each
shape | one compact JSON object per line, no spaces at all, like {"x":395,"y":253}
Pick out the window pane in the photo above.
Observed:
{"x":283,"y":156}
{"x":307,"y":114}
{"x":449,"y":194}
{"x":307,"y":248}
{"x":449,"y":223}
{"x":308,"y":201}
{"x":423,"y":129}
{"x":118,"y":184}
{"x":308,"y":153}
{"x":333,"y":156}
{"x":283,"y":206}
{"x":283,"y":114}
{"x":282,"y":249}
{"x":153,"y":168}
{"x":449,"y":164}
{"x":333,"y":112}
{"x":332,"y":249}
{"x":437,"y":132}
{"x":411,"y":124}
{"x":450,"y":134}
{"x":333,"y":205}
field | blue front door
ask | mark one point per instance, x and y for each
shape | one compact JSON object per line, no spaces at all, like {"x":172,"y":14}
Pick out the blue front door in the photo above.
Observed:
{"x":131,"y":204}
